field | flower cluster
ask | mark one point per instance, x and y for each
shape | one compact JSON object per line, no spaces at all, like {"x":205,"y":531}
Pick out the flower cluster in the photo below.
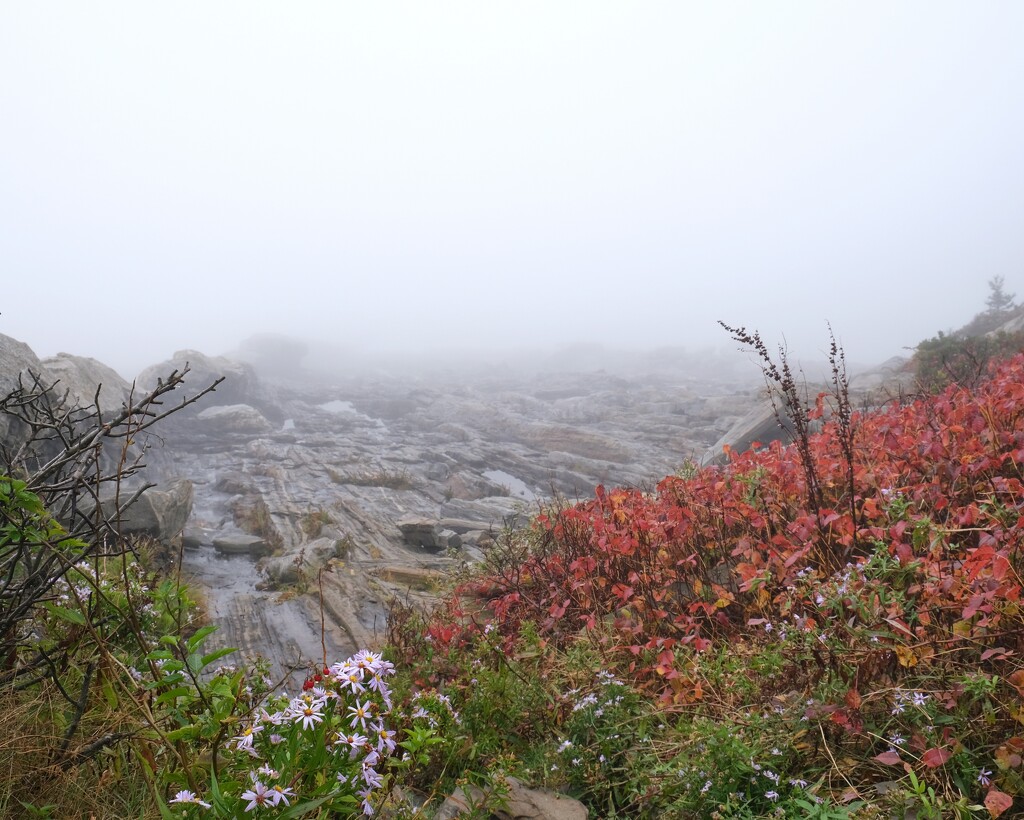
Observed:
{"x":429,"y":705}
{"x":903,"y":699}
{"x":324,"y":745}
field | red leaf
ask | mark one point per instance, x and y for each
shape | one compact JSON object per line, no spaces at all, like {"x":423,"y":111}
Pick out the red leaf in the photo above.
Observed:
{"x":997,"y":802}
{"x":934,"y":758}
{"x":622,"y":592}
{"x":889,"y":758}
{"x":558,"y":610}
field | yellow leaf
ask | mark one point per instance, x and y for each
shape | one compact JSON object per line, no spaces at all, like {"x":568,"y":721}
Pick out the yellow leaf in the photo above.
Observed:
{"x":905,"y":656}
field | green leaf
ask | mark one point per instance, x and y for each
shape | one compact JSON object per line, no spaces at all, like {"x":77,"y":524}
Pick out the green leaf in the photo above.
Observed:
{"x":110,"y":695}
{"x":217,"y":654}
{"x":165,"y":812}
{"x":173,"y":694}
{"x":216,"y":795}
{"x":72,"y":615}
{"x":201,"y":635}
{"x":190,"y":732}
{"x":299,"y":809}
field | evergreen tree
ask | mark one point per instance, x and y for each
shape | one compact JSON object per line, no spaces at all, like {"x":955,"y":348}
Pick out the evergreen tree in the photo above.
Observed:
{"x":999,"y":301}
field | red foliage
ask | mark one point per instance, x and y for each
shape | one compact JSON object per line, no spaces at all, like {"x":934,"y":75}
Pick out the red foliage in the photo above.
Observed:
{"x":695,"y":561}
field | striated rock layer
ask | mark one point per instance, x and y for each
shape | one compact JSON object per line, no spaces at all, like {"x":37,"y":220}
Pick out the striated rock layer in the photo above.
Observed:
{"x":374,"y":486}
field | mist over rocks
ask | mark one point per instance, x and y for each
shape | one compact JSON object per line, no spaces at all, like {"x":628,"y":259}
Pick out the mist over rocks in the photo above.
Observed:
{"x":371,"y":482}
{"x":241,"y":385}
{"x":766,"y":422}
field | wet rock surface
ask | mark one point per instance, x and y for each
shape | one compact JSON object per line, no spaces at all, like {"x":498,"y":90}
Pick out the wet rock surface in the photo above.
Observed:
{"x":373,"y":486}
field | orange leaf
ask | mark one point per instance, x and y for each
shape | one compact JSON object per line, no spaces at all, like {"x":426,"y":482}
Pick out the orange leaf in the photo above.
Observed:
{"x":896,"y":623}
{"x":997,"y":802}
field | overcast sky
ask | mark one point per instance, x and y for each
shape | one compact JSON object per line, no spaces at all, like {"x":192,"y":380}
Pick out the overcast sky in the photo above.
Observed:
{"x":432,"y":175}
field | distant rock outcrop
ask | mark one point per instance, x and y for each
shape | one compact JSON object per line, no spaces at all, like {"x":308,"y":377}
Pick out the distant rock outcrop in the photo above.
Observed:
{"x":273,"y":354}
{"x":761,"y":425}
{"x":1013,"y":324}
{"x":764,"y":424}
{"x":241,"y":385}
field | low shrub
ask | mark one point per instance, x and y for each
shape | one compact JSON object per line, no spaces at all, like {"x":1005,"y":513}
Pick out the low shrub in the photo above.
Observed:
{"x":891,"y":680}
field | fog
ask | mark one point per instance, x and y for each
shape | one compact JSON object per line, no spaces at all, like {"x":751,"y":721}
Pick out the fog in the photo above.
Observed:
{"x":429,"y":178}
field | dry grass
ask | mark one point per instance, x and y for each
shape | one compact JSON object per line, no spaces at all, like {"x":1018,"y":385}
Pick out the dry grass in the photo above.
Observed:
{"x":379,"y":477}
{"x":109,"y":784}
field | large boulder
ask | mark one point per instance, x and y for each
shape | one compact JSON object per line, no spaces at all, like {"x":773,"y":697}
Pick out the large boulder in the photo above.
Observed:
{"x":428,"y":534}
{"x":302,"y":562}
{"x":241,"y":385}
{"x":241,"y":544}
{"x":887,"y":379}
{"x":231,"y":419}
{"x":79,"y":378}
{"x":760,"y":425}
{"x":16,"y":360}
{"x":159,"y":512}
{"x":765,"y":424}
{"x":521,"y":803}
